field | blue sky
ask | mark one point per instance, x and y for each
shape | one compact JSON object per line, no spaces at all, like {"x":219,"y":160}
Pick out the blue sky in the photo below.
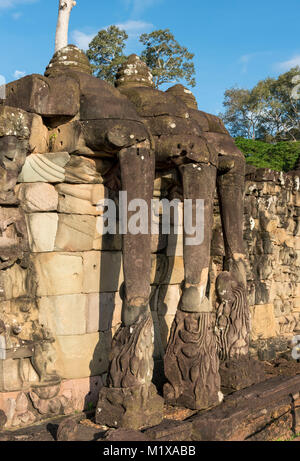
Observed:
{"x":235,"y":42}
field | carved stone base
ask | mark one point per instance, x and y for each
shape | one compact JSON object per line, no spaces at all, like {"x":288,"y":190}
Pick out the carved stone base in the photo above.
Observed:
{"x":240,"y":373}
{"x":130,"y":399}
{"x":191,"y":362}
{"x":129,"y":408}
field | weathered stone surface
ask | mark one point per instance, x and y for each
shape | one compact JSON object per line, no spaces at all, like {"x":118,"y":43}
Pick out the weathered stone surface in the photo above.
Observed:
{"x":10,"y":376}
{"x":170,"y":431}
{"x":75,"y":232}
{"x":81,"y":198}
{"x":263,"y":321}
{"x":67,"y":137}
{"x":68,"y":429}
{"x":130,"y":407}
{"x":242,"y":372}
{"x":47,"y":97}
{"x":168,"y":299}
{"x":3,"y":419}
{"x":247,"y":413}
{"x":13,"y":282}
{"x":158,"y":243}
{"x":51,"y":404}
{"x":44,"y":168}
{"x":101,"y":101}
{"x":78,"y":232}
{"x":130,"y":400}
{"x":279,"y":430}
{"x":233,"y":316}
{"x":79,"y":356}
{"x":106,"y":242}
{"x":14,"y":122}
{"x":165,"y":325}
{"x":134,"y":73}
{"x":65,"y":314}
{"x":124,"y":435}
{"x":96,"y":277}
{"x":68,"y":58}
{"x":37,"y":197}
{"x":21,"y":403}
{"x":191,"y":362}
{"x":42,"y":229}
{"x":167,"y":270}
{"x":58,"y":273}
{"x":14,"y":238}
{"x":39,"y":136}
{"x":175,"y":244}
{"x":103,"y":311}
{"x":82,"y":170}
{"x":83,"y":392}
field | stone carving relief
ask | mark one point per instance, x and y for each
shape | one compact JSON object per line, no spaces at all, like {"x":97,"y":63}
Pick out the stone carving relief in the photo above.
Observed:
{"x":129,"y":398}
{"x":233,"y":318}
{"x":191,"y":363}
{"x":99,"y":134}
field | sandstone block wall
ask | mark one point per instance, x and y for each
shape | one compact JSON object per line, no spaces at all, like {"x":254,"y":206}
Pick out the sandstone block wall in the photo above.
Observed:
{"x":73,"y":277}
{"x":272,"y":236}
{"x":272,"y":242}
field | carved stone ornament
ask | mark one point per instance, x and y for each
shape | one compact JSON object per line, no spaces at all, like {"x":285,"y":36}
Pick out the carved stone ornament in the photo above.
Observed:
{"x":130,"y":400}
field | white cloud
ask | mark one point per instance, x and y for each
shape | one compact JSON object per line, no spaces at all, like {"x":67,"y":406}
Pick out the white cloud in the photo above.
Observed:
{"x":287,"y":65}
{"x":138,"y":6}
{"x":19,"y":74}
{"x":5,"y":4}
{"x":247,"y":58}
{"x":16,"y":15}
{"x":133,"y":29}
{"x":81,"y":39}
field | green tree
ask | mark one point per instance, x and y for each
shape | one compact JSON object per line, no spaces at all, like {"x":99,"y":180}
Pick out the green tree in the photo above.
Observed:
{"x":106,"y":52}
{"x":168,"y":61}
{"x":268,"y":111}
{"x":281,"y":156}
{"x":242,"y":112}
{"x":287,"y":108}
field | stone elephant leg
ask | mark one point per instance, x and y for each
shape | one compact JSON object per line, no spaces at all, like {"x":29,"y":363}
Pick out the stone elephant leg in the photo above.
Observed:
{"x":231,"y":186}
{"x":191,"y":361}
{"x":137,"y":176}
{"x":233,"y":316}
{"x":130,"y":399}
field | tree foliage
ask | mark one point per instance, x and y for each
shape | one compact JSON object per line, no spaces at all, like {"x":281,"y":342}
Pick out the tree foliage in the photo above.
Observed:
{"x":106,"y":52}
{"x":281,"y":156}
{"x":268,"y":111}
{"x":168,"y":61}
{"x":242,"y":114}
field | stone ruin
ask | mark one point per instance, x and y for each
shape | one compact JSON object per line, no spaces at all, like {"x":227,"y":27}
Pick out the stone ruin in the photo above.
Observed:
{"x":85,"y":319}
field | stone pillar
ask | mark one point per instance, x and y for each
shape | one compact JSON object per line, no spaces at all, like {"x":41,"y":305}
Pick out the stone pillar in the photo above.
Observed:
{"x":129,"y":399}
{"x":237,"y":370}
{"x":191,"y":362}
